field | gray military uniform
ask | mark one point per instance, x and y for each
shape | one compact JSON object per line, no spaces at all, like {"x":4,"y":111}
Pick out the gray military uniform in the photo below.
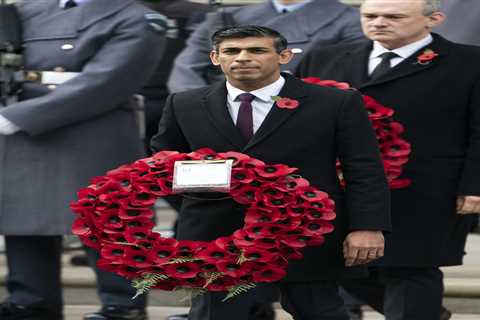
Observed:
{"x":70,"y":133}
{"x":83,"y":127}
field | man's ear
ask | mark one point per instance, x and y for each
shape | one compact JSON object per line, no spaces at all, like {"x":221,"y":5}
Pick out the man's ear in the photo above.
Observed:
{"x":436,"y":19}
{"x":214,"y":58}
{"x":285,"y":56}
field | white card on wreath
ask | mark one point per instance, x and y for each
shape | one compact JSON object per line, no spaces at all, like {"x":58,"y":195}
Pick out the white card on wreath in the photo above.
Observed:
{"x":202,"y":176}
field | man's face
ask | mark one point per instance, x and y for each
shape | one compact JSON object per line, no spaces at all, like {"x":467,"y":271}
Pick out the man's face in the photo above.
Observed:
{"x":396,"y":23}
{"x":250,"y":63}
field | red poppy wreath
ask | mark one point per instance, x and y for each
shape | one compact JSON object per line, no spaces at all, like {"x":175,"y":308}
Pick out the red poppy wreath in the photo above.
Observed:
{"x":394,"y":150}
{"x":284,"y":214}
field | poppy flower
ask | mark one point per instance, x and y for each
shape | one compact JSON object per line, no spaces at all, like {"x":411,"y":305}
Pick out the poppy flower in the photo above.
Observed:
{"x":212,"y":254}
{"x":395,"y":161}
{"x":113,"y":252}
{"x":258,"y":255}
{"x":279,"y":202}
{"x":162,"y":254}
{"x":317,"y":227}
{"x":400,"y":183}
{"x":313,"y":214}
{"x":167,"y":284}
{"x":427,"y":56}
{"x":186,"y":248}
{"x":196,"y":282}
{"x":245,"y":194}
{"x":129,"y":272}
{"x":375,"y":109}
{"x":83,"y":205}
{"x":221,"y":284}
{"x":327,"y":83}
{"x":203,"y":154}
{"x":311,"y":194}
{"x":142,"y":199}
{"x":109,"y":219}
{"x":136,"y":234}
{"x":141,"y":222}
{"x":81,"y":228}
{"x":154,"y":188}
{"x":260,"y":230}
{"x":258,"y":215}
{"x":182,"y":270}
{"x":137,"y":258}
{"x":237,"y":157}
{"x":289,"y":223}
{"x":294,"y":240}
{"x":242,"y":239}
{"x":274,"y":171}
{"x":108,"y":265}
{"x":242,"y":175}
{"x":396,"y":148}
{"x":132,"y":213}
{"x":269,"y":274}
{"x":265,"y":243}
{"x":233,"y":269}
{"x":87,"y":194}
{"x":285,"y":103}
{"x":292,"y":182}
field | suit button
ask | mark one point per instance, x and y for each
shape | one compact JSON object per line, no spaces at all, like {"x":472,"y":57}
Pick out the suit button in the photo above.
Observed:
{"x":67,"y":46}
{"x":51,"y":87}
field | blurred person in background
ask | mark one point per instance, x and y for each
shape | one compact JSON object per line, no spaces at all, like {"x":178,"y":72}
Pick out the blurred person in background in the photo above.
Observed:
{"x":73,"y":120}
{"x":306,"y":24}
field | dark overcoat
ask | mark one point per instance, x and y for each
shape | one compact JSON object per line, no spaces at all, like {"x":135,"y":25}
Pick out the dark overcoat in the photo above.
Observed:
{"x":84,"y":126}
{"x":329,"y":123}
{"x":439,"y":105}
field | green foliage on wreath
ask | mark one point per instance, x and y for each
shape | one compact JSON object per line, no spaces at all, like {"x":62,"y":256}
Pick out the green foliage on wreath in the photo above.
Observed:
{"x":146,"y":282}
{"x":239,"y":289}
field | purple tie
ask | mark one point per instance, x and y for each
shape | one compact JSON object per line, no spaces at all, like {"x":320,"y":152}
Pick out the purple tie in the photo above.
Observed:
{"x":245,"y":119}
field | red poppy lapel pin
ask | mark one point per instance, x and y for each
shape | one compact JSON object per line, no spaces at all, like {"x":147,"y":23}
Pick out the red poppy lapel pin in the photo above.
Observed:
{"x":426,"y":56}
{"x":285,"y":103}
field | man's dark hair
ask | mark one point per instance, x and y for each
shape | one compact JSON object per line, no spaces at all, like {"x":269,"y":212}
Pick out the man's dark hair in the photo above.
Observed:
{"x":240,"y":32}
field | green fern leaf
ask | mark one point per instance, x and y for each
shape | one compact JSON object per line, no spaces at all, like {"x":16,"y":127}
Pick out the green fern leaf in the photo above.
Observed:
{"x":239,"y":289}
{"x":144,"y":283}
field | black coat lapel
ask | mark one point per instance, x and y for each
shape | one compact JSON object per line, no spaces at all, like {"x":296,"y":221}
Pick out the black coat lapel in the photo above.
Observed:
{"x":411,"y":66}
{"x":355,"y":64}
{"x":292,"y":89}
{"x":215,"y":102}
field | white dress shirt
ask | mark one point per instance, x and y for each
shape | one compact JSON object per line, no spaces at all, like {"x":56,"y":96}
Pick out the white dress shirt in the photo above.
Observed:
{"x":402,"y":52}
{"x":261,"y":105}
{"x":288,"y":7}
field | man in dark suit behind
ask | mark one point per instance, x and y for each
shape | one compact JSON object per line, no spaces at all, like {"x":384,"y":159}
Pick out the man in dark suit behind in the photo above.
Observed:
{"x":434,"y":87}
{"x":328,"y":124}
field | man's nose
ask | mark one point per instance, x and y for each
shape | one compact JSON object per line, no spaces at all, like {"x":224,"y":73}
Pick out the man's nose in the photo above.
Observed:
{"x":243,"y":55}
{"x":379,"y":21}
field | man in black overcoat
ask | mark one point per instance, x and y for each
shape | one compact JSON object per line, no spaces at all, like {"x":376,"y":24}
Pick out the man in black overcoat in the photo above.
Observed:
{"x":328,"y":124}
{"x":434,"y":87}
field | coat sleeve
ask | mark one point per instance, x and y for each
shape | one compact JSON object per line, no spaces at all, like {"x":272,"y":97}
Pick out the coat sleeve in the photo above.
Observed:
{"x":169,"y":135}
{"x":469,"y":182}
{"x":367,"y":193}
{"x":118,"y":69}
{"x":190,"y":65}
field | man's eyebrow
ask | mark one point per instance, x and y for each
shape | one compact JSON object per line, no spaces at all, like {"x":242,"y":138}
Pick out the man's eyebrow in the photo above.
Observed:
{"x":244,"y":48}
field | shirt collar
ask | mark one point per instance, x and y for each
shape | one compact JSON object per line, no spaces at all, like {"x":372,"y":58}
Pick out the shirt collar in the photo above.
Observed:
{"x":79,"y":2}
{"x":403,"y":52}
{"x":289,"y":7}
{"x":265,"y":94}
